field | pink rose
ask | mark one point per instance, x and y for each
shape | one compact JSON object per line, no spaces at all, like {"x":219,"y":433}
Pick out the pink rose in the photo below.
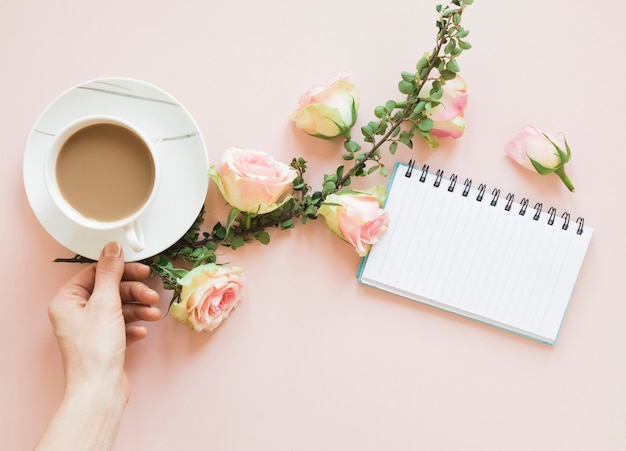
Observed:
{"x":252,"y":181}
{"x":209,"y":293}
{"x":448,"y":116}
{"x":539,"y":152}
{"x":530,"y":144}
{"x":328,"y":110}
{"x":357,"y":217}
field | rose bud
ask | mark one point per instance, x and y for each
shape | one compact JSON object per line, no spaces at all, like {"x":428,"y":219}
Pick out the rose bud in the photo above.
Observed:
{"x":328,"y":110}
{"x":357,"y":217}
{"x":539,"y":152}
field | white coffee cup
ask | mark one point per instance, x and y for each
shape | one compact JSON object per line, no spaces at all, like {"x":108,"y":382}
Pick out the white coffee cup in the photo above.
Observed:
{"x":102,"y":174}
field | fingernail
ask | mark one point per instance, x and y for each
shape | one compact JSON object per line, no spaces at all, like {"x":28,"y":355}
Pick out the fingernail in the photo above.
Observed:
{"x":112,"y":249}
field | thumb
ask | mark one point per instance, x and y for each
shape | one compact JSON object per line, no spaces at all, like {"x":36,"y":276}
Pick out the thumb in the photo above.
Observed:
{"x":109,"y":271}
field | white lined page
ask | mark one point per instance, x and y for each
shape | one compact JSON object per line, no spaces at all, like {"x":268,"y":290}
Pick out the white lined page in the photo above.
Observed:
{"x":476,"y":259}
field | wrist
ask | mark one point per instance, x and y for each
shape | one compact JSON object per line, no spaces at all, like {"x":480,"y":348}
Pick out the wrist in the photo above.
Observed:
{"x":88,"y":417}
{"x":102,"y":392}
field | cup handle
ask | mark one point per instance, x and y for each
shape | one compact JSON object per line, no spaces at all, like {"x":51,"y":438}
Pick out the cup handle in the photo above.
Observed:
{"x":134,"y":236}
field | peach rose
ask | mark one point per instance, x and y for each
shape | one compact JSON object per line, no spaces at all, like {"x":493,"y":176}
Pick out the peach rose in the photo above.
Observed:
{"x":209,"y":293}
{"x":357,"y":217}
{"x":328,"y":110}
{"x":449,"y":115}
{"x":537,"y":151}
{"x":251,"y":180}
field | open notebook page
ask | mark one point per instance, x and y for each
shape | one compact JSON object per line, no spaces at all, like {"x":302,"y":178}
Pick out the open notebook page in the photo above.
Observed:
{"x":474,"y":258}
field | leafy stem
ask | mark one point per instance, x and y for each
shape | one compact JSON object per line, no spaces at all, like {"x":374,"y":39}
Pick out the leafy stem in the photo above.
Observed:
{"x":398,"y":122}
{"x":303,"y":204}
{"x":418,"y":105}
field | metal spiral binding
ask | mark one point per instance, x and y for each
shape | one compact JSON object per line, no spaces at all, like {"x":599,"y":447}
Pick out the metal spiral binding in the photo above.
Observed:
{"x":581,"y":222}
{"x":565,"y":217}
{"x":438,"y":178}
{"x":482,"y":188}
{"x":509,"y":201}
{"x":524,"y":204}
{"x":424,"y":173}
{"x":468,"y":185}
{"x":494,"y":200}
{"x":538,"y":207}
{"x":452,"y":183}
{"x":552,"y":215}
{"x":481,"y":192}
{"x":409,"y":170}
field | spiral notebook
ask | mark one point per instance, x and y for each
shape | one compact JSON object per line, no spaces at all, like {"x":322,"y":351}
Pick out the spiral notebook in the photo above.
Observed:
{"x":477,"y":253}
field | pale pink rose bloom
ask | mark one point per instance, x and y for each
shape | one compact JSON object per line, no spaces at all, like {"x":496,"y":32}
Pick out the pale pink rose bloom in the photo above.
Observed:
{"x":209,"y":293}
{"x":532,"y":143}
{"x":357,"y":217}
{"x":328,"y":110}
{"x":452,"y":128}
{"x":251,"y":180}
{"x":449,"y":115}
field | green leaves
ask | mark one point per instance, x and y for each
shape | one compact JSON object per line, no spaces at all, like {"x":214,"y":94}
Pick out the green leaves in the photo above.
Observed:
{"x":423,"y":63}
{"x":352,"y":148}
{"x":425,"y":124}
{"x":424,"y":88}
{"x":396,"y":123}
{"x":263,"y":237}
{"x":423,"y":91}
{"x":464,"y":45}
{"x":453,"y":67}
{"x":407,"y":84}
{"x":450,"y":46}
{"x":540,"y":168}
{"x":564,"y":156}
{"x":232,"y":215}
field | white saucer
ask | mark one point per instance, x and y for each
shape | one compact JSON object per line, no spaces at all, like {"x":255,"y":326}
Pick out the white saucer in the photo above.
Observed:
{"x":177,"y":142}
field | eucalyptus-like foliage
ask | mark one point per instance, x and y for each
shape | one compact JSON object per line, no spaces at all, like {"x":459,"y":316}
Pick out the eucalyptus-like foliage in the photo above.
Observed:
{"x":397,"y":122}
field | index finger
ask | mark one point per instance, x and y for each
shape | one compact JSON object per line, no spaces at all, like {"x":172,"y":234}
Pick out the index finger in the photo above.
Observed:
{"x":81,"y":283}
{"x":136,"y":271}
{"x":84,"y":280}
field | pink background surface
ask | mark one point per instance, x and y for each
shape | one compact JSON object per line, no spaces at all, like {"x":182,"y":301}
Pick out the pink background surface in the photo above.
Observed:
{"x":311,"y":359}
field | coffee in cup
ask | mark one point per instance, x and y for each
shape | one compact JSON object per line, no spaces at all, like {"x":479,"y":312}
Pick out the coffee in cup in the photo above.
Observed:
{"x":102,"y":174}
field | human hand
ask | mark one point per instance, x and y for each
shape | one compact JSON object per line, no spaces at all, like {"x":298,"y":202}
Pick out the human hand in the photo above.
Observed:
{"x":93,"y":318}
